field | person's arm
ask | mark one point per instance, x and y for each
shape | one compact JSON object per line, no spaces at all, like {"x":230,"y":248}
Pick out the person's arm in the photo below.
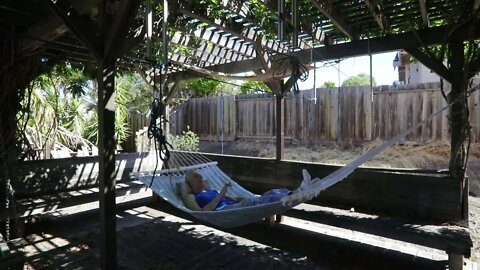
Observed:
{"x":235,"y":199}
{"x":212,"y":204}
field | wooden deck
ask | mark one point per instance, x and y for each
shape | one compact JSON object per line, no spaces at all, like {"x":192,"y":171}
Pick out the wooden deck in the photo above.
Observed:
{"x":150,"y":237}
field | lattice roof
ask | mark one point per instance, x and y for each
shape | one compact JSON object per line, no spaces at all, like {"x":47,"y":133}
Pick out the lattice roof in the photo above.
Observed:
{"x":229,"y":36}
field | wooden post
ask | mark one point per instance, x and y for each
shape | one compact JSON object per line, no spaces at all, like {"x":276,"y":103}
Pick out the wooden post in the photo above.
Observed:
{"x":455,"y":261}
{"x":280,"y":123}
{"x":457,"y":112}
{"x":16,"y":75}
{"x":8,"y":155}
{"x":106,"y":157}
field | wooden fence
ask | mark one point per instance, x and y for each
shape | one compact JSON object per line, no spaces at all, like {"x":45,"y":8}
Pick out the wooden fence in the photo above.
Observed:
{"x":345,"y":114}
{"x":136,"y":122}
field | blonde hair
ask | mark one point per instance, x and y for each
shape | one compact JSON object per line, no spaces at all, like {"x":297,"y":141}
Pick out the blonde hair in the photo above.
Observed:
{"x":190,"y":175}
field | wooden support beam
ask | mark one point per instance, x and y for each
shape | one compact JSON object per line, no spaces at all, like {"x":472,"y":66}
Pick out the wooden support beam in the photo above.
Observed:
{"x":327,"y":9}
{"x":230,"y":68}
{"x":106,"y":139}
{"x":434,"y":35}
{"x":424,"y":12}
{"x":455,"y":261}
{"x":172,"y":91}
{"x":106,"y":157}
{"x":377,"y":14}
{"x":294,"y":14}
{"x":433,"y":64}
{"x":458,"y":113}
{"x":85,"y":29}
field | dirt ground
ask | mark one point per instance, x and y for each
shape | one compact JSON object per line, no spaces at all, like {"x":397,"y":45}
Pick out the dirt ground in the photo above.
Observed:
{"x":426,"y":156}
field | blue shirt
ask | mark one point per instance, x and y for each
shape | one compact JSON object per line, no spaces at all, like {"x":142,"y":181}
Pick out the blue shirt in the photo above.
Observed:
{"x":206,"y":196}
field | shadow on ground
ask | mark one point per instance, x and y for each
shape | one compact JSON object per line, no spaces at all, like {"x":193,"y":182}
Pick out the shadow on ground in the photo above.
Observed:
{"x":147,"y":241}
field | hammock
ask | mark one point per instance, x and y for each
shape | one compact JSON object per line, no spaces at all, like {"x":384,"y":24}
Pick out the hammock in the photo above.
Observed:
{"x":166,"y":184}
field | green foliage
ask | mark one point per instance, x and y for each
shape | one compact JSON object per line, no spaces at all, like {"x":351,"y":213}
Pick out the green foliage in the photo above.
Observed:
{"x":265,"y":17}
{"x":203,"y":87}
{"x":67,"y":77}
{"x":56,"y":111}
{"x":361,"y":79}
{"x":254,"y":87}
{"x":131,"y":94}
{"x":186,"y":141}
{"x":139,"y":94}
{"x":64,"y":105}
{"x":329,"y":84}
{"x":215,"y":87}
{"x":180,"y":49}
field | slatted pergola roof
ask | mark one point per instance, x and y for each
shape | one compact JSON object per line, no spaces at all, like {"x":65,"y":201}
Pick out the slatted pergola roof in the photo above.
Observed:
{"x":228,"y":36}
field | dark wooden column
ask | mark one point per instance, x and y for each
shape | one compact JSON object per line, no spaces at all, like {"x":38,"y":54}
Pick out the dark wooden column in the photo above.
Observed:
{"x":15,"y":75}
{"x":8,"y":151}
{"x":278,"y":88}
{"x":106,"y":156}
{"x":458,"y":114}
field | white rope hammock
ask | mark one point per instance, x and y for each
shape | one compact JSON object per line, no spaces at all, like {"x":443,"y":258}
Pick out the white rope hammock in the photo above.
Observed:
{"x":166,"y":184}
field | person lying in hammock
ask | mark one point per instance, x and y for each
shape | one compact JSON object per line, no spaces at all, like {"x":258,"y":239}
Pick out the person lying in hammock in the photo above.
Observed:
{"x":213,"y":200}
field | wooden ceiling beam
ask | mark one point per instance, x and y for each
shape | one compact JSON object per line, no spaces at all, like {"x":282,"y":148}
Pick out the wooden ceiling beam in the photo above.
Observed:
{"x":85,"y":29}
{"x":379,"y":17}
{"x":230,"y":68}
{"x":435,"y":35}
{"x":327,"y":9}
{"x":60,"y":54}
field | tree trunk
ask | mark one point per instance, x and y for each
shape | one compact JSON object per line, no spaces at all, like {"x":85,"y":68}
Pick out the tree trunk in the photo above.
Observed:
{"x":459,"y":124}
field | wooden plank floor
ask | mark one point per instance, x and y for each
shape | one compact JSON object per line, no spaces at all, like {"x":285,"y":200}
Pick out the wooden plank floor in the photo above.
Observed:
{"x":149,"y":237}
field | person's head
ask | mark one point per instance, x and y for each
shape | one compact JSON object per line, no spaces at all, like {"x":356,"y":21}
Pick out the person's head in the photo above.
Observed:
{"x":195,"y":180}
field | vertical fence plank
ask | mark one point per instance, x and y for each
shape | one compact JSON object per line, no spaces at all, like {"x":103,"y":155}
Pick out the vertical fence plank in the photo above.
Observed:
{"x":367,"y":114}
{"x":475,"y":115}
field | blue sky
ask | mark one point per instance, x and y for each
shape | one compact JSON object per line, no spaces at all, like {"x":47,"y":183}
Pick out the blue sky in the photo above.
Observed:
{"x":382,"y":70}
